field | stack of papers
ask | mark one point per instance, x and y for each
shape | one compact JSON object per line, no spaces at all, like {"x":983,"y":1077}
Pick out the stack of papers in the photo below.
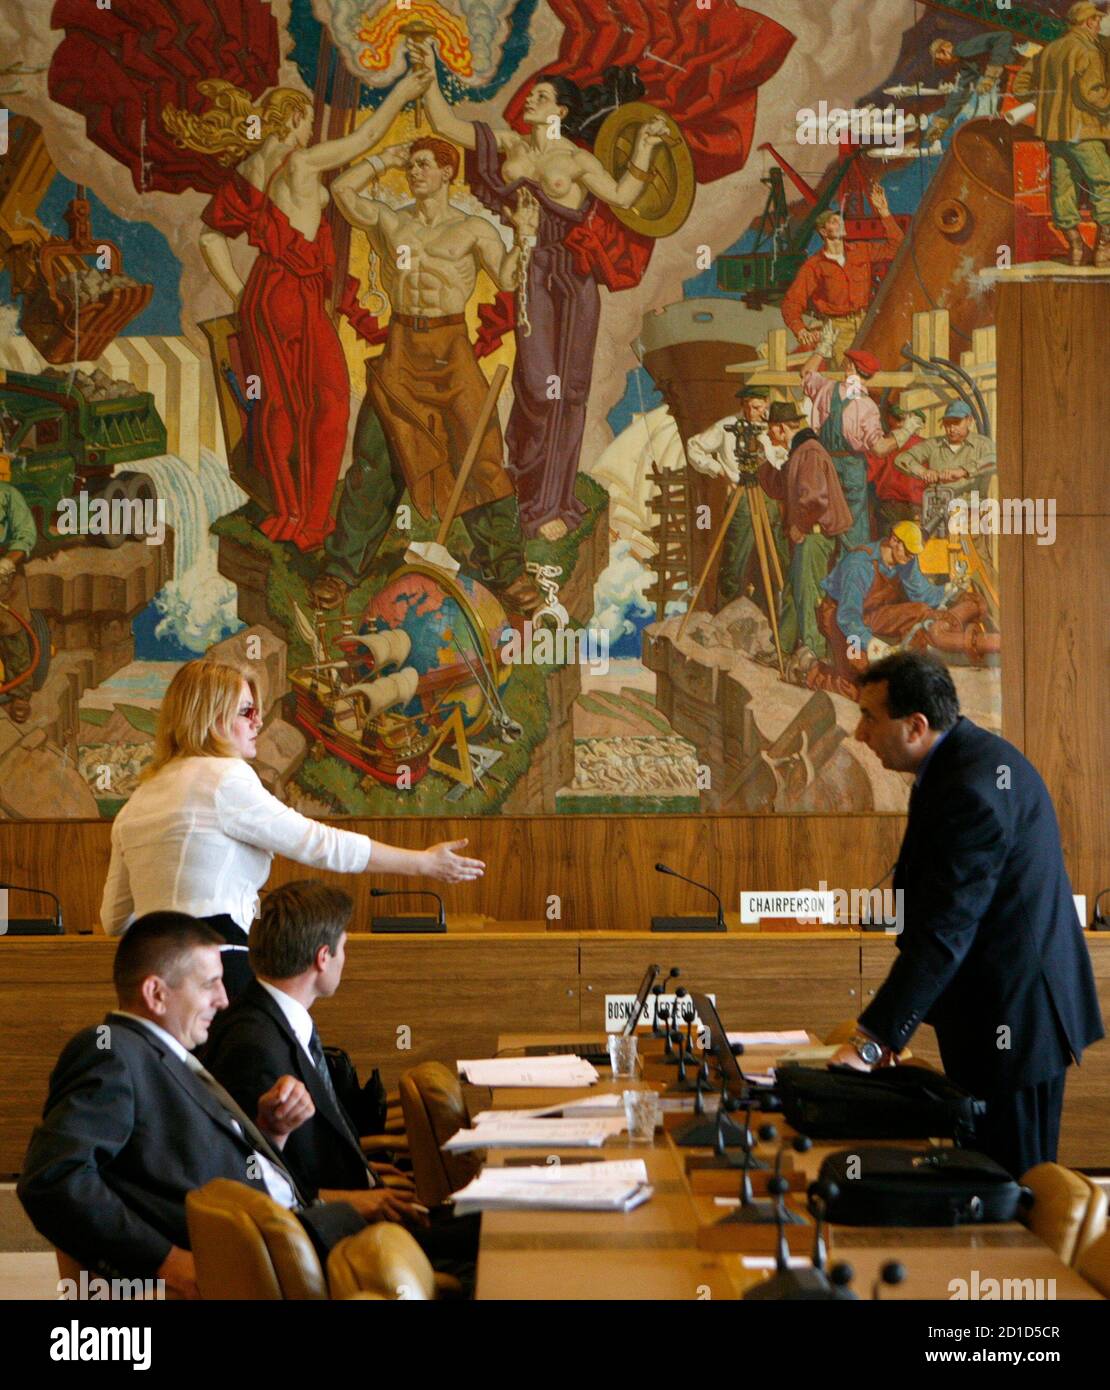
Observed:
{"x":589,"y":1107}
{"x":791,"y":1037}
{"x":535,"y":1134}
{"x":564,"y":1070}
{"x":618,"y":1186}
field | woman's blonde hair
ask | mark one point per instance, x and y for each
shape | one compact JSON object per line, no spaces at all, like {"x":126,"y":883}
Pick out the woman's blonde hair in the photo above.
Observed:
{"x":202,"y":699}
{"x":235,"y":125}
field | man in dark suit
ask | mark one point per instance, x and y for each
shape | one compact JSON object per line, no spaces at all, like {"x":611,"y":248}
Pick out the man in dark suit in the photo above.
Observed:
{"x":133,"y":1122}
{"x":990,"y":949}
{"x":297,"y":953}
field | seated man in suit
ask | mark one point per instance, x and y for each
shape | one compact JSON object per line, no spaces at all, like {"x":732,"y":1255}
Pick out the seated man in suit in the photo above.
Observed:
{"x":133,"y":1122}
{"x":297,"y":953}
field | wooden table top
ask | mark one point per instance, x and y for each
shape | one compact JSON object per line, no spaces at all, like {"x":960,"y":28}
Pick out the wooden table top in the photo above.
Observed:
{"x":652,"y":1252}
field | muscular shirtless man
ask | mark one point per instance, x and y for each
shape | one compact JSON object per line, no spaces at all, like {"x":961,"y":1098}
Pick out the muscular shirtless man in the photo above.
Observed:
{"x":425,"y":391}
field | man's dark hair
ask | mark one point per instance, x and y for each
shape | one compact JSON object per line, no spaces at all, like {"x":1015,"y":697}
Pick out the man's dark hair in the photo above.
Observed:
{"x":157,"y":944}
{"x":916,"y":684}
{"x":297,"y":919}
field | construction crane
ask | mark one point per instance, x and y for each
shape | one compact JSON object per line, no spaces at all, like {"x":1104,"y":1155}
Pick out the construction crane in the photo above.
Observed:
{"x":764,"y":274}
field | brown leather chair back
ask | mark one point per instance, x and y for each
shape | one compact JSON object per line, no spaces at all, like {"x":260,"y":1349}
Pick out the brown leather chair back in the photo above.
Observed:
{"x":1061,"y":1208}
{"x":246,"y":1246}
{"x":434,"y":1109}
{"x":384,"y":1262}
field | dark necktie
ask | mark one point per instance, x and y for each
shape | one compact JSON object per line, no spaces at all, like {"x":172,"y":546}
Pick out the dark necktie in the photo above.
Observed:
{"x":250,"y":1130}
{"x":316,"y":1052}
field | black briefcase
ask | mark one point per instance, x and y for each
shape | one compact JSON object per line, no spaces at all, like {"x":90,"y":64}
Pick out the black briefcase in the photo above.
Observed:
{"x":904,"y":1102}
{"x":918,"y":1187}
{"x":365,"y":1104}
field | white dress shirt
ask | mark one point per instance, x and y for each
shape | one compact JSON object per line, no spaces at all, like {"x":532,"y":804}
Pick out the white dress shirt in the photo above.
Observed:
{"x":199,"y":837}
{"x":296,"y":1015}
{"x":277,"y":1184}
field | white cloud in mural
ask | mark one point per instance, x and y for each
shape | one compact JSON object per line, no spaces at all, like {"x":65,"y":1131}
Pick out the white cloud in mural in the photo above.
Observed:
{"x":619,"y":593}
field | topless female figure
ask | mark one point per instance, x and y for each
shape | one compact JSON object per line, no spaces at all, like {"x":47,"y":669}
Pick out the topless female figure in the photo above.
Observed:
{"x":554,"y":360}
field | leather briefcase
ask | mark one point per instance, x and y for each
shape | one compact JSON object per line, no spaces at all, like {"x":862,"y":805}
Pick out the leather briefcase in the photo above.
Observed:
{"x":904,"y":1102}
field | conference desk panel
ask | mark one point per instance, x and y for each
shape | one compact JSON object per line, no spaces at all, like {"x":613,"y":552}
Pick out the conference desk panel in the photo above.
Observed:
{"x":411,"y":999}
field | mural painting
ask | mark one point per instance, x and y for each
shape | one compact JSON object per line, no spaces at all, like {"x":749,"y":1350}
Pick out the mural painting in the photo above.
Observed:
{"x":557,"y":403}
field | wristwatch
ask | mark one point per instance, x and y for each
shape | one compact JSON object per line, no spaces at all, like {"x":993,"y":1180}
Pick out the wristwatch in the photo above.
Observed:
{"x":867,"y":1049}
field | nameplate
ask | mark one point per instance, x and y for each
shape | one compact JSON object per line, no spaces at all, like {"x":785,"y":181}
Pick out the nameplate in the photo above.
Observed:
{"x":807,"y":904}
{"x":619,"y":1006}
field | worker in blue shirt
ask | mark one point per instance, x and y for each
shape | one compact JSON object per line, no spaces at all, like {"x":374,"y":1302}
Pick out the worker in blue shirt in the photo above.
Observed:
{"x":978,"y":64}
{"x":875,"y":597}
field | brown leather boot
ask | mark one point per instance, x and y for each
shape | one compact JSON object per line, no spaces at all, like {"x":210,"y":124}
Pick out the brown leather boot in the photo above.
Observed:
{"x":521,"y":596}
{"x":1077,"y":247}
{"x":1102,"y":249}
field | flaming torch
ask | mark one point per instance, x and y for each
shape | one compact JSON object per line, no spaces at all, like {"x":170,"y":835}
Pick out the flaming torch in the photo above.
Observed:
{"x":424,"y":20}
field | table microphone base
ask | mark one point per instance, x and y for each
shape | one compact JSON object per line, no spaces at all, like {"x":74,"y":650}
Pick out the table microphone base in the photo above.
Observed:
{"x":686,"y":924}
{"x":406,"y":924}
{"x":759,"y":1214}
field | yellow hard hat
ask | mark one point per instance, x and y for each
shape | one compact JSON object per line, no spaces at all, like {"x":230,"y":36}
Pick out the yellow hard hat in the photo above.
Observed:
{"x":909,"y":533}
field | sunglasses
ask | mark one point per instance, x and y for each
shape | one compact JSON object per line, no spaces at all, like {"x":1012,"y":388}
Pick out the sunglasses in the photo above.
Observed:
{"x":250,"y":712}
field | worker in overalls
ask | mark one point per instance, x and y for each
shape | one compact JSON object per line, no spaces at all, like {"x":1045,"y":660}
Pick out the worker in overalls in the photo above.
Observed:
{"x":848,"y":424}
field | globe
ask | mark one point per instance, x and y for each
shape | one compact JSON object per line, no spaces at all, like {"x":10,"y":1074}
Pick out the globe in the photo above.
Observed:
{"x":440,"y":614}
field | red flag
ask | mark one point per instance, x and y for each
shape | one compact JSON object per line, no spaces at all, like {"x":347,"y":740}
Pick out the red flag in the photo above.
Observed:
{"x":119,"y":67}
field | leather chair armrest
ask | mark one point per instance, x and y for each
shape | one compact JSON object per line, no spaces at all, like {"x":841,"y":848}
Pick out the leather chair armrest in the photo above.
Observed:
{"x":378,"y":1143}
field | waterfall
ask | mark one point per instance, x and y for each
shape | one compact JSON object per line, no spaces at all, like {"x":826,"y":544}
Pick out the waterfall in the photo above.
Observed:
{"x":198,"y":605}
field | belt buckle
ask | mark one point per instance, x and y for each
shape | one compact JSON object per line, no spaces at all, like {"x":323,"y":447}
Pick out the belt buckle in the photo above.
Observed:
{"x":422,"y":323}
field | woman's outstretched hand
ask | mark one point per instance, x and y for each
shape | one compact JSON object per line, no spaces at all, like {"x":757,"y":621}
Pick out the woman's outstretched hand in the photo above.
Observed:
{"x":443,"y":862}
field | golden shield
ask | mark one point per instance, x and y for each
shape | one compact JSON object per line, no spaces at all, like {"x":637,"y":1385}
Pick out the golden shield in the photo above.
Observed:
{"x":668,"y":193}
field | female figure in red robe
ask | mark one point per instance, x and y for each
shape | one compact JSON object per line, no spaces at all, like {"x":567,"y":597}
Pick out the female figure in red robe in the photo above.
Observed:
{"x":276,"y":196}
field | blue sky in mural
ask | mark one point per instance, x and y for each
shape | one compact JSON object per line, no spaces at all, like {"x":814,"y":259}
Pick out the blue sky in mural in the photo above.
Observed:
{"x":146,"y":257}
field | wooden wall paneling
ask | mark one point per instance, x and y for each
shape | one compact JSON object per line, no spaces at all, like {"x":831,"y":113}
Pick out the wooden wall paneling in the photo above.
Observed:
{"x":1067,"y":732}
{"x":1011,"y":456}
{"x":1065,"y":439}
{"x":602,"y":868}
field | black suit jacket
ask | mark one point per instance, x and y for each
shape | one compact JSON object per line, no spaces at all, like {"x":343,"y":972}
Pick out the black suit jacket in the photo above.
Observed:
{"x":991,"y":952}
{"x":127,"y":1132}
{"x":250,"y":1045}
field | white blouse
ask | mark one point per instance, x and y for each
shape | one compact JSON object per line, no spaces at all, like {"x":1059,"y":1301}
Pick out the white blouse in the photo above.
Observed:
{"x":199,"y":837}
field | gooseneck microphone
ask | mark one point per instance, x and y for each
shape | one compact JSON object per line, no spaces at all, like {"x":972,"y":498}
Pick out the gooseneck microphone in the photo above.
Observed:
{"x":25,"y":926}
{"x":408,"y":924}
{"x":689,"y":923}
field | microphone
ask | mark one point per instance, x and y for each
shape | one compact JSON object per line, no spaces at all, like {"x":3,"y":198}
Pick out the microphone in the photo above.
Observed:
{"x":408,"y":924}
{"x":34,"y":926}
{"x":865,"y":922}
{"x":798,"y":1285}
{"x":821,"y":1195}
{"x":750,"y":1212}
{"x":893,"y":1272}
{"x":689,"y":923}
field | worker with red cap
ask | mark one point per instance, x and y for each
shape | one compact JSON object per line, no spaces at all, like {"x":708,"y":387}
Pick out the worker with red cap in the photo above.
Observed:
{"x":848,"y":424}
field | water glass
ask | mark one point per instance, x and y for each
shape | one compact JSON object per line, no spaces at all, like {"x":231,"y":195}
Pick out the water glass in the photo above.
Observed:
{"x":642,"y":1112}
{"x":622,"y":1055}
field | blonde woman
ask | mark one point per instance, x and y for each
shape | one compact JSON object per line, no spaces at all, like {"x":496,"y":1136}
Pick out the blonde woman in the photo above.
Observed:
{"x":275,"y":195}
{"x":200,"y":832}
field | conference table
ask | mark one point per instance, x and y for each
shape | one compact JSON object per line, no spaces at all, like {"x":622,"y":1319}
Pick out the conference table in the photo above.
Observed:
{"x":653,"y":1251}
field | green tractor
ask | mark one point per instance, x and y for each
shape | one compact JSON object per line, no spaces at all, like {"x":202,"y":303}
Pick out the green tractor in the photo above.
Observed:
{"x":67,"y":435}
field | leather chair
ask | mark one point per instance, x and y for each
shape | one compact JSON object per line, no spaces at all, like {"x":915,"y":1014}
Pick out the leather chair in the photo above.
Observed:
{"x":385,"y":1262}
{"x":1094,"y":1264}
{"x":434,"y":1109}
{"x":1068,"y":1211}
{"x":246,"y":1246}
